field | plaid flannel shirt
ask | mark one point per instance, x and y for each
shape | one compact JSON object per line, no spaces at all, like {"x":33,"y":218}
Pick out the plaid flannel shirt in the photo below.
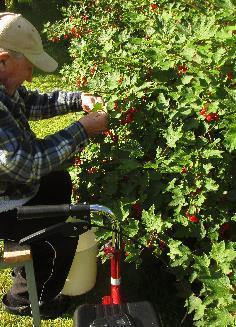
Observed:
{"x":23,"y":157}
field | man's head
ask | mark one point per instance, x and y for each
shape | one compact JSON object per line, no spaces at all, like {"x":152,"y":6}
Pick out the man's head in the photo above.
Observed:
{"x":19,"y":35}
{"x":15,"y":68}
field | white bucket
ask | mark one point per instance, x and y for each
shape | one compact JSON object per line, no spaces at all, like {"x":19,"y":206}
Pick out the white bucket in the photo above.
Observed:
{"x":83,"y":271}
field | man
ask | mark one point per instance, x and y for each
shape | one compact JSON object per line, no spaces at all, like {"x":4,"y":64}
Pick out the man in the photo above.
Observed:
{"x":32,"y":170}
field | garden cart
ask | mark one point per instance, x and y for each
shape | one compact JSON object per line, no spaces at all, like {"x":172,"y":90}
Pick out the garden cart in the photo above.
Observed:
{"x":113,"y":311}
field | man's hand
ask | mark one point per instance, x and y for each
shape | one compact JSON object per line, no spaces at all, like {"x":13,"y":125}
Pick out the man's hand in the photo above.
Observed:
{"x":89,"y":100}
{"x":95,"y":123}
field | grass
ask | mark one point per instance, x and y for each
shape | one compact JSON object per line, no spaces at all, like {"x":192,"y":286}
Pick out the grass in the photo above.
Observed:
{"x":46,"y":83}
{"x":151,"y":281}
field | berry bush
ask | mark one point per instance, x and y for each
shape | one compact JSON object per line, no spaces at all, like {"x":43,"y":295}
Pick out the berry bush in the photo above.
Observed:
{"x":166,"y":165}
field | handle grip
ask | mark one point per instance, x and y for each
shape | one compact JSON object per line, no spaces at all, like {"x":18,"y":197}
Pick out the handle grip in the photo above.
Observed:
{"x":50,"y":211}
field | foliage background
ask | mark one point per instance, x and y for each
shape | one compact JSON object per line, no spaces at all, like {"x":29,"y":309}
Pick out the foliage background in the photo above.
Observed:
{"x":166,"y":165}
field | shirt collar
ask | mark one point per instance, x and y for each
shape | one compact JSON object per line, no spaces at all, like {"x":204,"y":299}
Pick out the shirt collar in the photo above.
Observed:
{"x":15,"y":97}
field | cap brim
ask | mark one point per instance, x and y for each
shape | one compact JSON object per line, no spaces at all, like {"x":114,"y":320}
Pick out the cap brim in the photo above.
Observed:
{"x":42,"y":61}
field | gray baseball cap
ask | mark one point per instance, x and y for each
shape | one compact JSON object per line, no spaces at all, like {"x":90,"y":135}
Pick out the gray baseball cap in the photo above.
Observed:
{"x":18,"y":34}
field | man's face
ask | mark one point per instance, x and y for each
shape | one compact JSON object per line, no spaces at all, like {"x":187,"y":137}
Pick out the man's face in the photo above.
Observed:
{"x":14,"y":71}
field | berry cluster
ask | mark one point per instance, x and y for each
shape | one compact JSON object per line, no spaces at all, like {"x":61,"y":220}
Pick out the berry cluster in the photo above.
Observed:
{"x":113,"y":136}
{"x":212,"y":116}
{"x":129,"y":116}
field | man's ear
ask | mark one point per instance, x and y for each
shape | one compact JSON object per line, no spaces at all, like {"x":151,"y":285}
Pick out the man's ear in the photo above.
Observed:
{"x":3,"y":58}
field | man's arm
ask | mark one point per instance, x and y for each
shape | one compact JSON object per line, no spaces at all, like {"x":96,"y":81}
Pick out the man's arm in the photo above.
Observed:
{"x":25,"y":159}
{"x":46,"y":105}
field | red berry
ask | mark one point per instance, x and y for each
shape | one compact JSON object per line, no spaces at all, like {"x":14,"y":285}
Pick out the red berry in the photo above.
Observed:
{"x":182,"y":69}
{"x":193,"y":218}
{"x":203,"y":111}
{"x":162,"y":245}
{"x":115,"y":105}
{"x":127,"y":119}
{"x":184,"y":170}
{"x":215,"y":116}
{"x":230,"y":76}
{"x":120,"y":80}
{"x":77,"y":162}
{"x":225,"y":231}
{"x":92,"y":70}
{"x":132,"y":110}
{"x":154,"y":6}
{"x":73,"y":31}
{"x":108,"y":133}
{"x":108,"y":249}
{"x":84,"y":80}
{"x":78,"y":83}
{"x":55,"y":39}
{"x":137,"y":210}
{"x":212,"y":116}
{"x":115,"y":138}
{"x":92,"y":170}
{"x":85,"y":17}
{"x":209,"y":117}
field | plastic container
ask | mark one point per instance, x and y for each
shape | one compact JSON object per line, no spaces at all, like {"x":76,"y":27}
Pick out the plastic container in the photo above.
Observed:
{"x":83,"y":272}
{"x":139,"y":314}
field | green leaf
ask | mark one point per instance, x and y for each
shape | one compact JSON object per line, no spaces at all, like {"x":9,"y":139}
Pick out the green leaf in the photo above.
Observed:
{"x":128,"y":165}
{"x":189,"y":53}
{"x":230,"y":137}
{"x":212,"y":153}
{"x":111,"y":182}
{"x":173,"y":135}
{"x":98,"y":106}
{"x":219,"y":286}
{"x":218,"y":317}
{"x":224,"y":257}
{"x":163,"y":101}
{"x":196,"y":305}
{"x":178,"y":253}
{"x":187,"y":79}
{"x":153,"y":221}
{"x":132,"y":228}
{"x":202,"y":264}
{"x":210,"y":184}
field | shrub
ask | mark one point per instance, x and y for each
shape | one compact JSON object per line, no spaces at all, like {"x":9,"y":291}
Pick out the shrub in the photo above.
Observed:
{"x":166,"y":165}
